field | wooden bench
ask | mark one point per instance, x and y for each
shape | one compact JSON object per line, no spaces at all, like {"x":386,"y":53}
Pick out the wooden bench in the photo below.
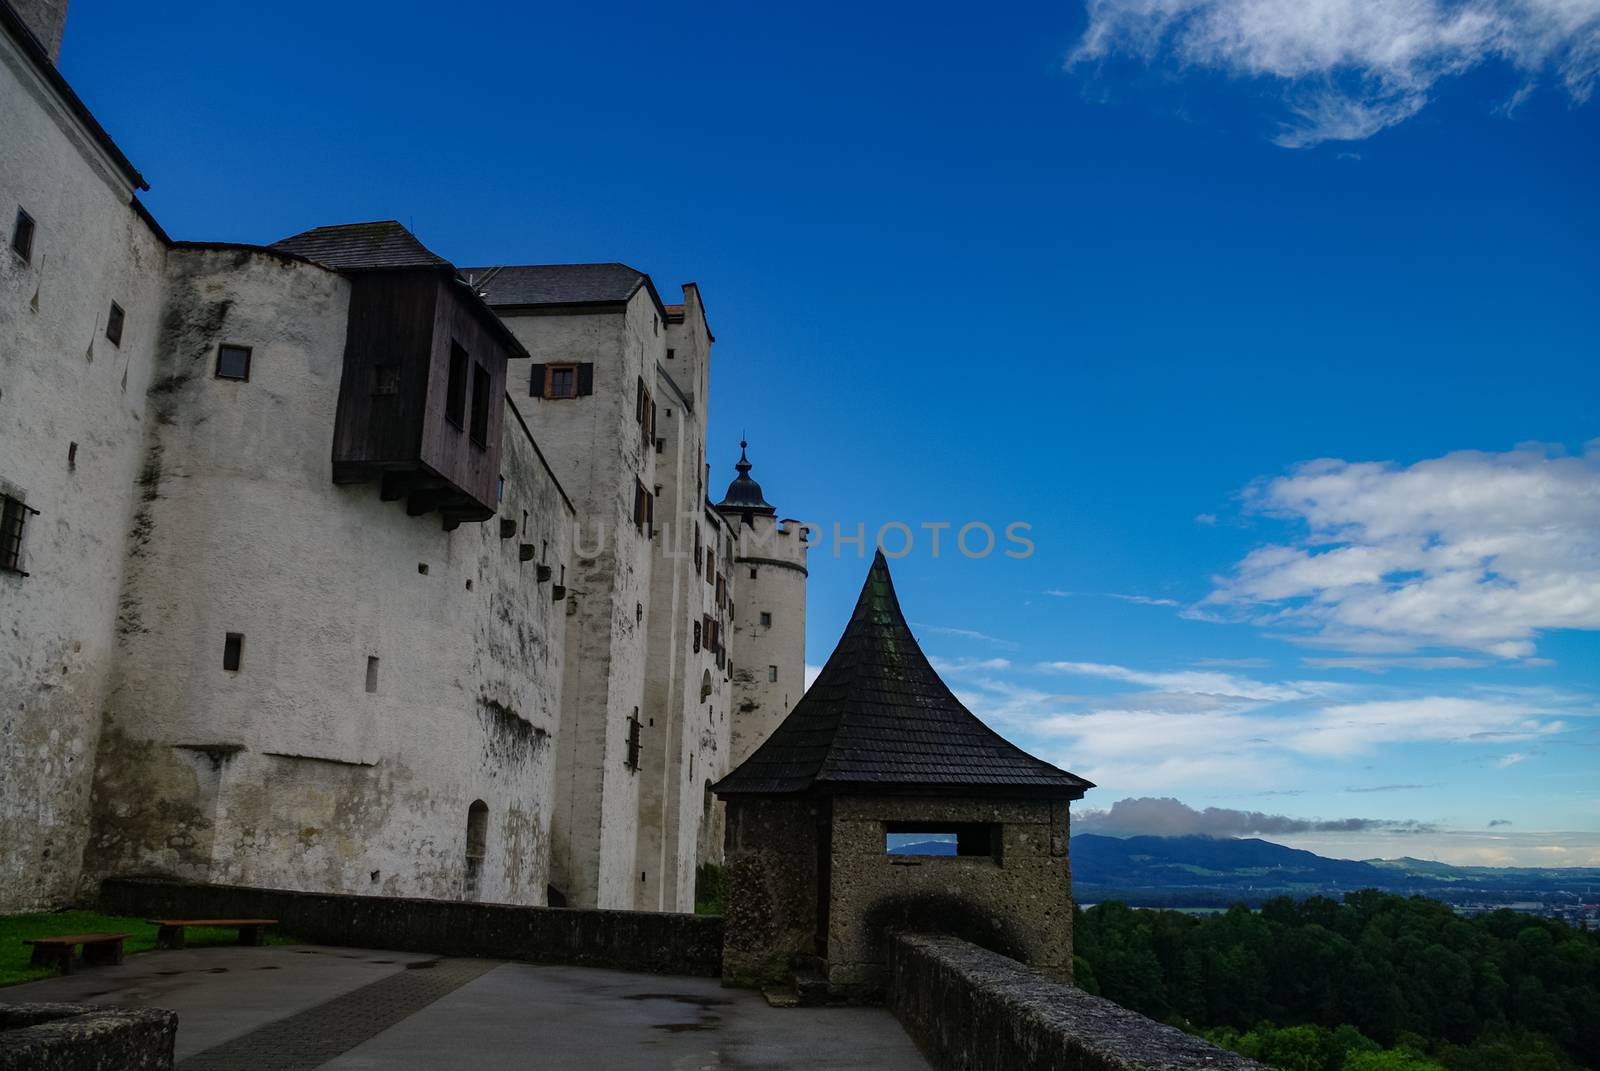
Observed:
{"x":170,"y":935}
{"x":99,"y":950}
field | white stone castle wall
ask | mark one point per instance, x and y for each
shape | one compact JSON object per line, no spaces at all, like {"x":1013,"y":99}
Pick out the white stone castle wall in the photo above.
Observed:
{"x":289,"y":773}
{"x":776,"y":553}
{"x":62,"y":382}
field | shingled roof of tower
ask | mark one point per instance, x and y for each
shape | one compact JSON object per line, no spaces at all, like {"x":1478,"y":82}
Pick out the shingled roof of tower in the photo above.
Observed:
{"x":559,"y":284}
{"x":382,"y":245}
{"x":879,"y":720}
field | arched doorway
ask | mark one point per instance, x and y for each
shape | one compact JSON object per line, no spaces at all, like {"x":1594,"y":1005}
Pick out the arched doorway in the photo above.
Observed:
{"x":477,"y":845}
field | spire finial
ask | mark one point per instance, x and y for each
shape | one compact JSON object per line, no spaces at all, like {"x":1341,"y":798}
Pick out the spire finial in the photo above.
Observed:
{"x":744,"y":462}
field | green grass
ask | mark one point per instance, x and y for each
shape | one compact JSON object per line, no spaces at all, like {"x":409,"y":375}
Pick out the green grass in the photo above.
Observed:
{"x":14,"y":929}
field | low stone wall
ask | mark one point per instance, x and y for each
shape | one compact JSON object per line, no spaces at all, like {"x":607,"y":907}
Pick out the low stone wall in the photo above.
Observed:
{"x":627,"y":940}
{"x":974,"y":1010}
{"x":85,"y":1037}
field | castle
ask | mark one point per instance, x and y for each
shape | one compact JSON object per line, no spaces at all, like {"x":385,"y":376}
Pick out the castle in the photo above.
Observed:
{"x":330,"y":565}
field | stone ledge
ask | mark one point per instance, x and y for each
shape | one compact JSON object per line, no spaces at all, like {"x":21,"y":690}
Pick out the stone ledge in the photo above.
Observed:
{"x":970,"y":1009}
{"x":658,"y":942}
{"x":85,"y":1037}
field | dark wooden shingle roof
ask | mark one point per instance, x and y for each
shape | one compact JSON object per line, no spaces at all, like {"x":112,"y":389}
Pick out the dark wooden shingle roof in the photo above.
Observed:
{"x":377,"y":246}
{"x":879,"y":720}
{"x":514,"y":286}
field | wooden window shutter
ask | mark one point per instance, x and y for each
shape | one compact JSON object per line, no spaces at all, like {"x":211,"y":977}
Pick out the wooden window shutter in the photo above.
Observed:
{"x":536,"y":382}
{"x":585,"y":379}
{"x":638,"y":402}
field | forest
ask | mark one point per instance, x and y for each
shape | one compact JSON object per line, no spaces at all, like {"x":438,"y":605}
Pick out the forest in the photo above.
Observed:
{"x":1375,"y":983}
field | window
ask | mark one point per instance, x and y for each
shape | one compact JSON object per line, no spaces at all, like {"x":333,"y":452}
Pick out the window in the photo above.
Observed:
{"x":941,"y":838}
{"x":671,"y":353}
{"x":634,"y":730}
{"x":563,"y":381}
{"x":114,"y":324}
{"x":233,"y":362}
{"x":697,"y":548}
{"x":232,"y":651}
{"x":480,"y":406}
{"x":14,"y":514}
{"x":722,"y":591}
{"x":766,"y":619}
{"x":385,"y":380}
{"x":455,"y":394}
{"x":697,"y":636}
{"x":772,"y":674}
{"x":372,"y":672}
{"x":22,"y":235}
{"x":711,"y":567}
{"x":752,"y":574}
{"x":643,"y":509}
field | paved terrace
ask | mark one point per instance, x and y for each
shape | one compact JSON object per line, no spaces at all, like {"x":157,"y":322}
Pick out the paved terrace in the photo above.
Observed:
{"x":297,"y":1007}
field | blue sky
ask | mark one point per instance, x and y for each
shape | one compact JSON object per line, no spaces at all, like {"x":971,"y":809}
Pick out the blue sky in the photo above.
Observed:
{"x":1276,"y":320}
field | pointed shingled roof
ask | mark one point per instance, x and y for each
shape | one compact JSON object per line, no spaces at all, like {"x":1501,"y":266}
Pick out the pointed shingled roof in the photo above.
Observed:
{"x":879,"y":720}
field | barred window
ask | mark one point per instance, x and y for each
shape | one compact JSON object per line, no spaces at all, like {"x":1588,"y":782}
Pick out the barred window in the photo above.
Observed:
{"x":14,"y":514}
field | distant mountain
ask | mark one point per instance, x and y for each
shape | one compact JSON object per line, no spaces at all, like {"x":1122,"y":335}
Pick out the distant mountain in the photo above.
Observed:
{"x":925,"y":847}
{"x":1210,"y":871}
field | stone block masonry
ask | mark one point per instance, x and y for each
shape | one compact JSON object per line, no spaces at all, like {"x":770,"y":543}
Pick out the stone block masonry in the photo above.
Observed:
{"x":659,"y":942}
{"x":974,"y":1010}
{"x":85,"y":1037}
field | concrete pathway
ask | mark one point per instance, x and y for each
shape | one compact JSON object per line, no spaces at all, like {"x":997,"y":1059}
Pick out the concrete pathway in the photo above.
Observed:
{"x":295,"y":1008}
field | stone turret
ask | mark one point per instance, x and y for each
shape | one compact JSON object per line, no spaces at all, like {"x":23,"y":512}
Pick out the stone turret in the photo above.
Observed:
{"x":881,"y":804}
{"x":769,"y":619}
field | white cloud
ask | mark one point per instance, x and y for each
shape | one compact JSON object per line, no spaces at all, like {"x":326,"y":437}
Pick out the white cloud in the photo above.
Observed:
{"x":1058,"y":593}
{"x":963,"y":634}
{"x":1198,"y":682}
{"x":1146,"y":600}
{"x":1350,"y":68}
{"x":1377,"y":664}
{"x":1471,"y":550}
{"x":968,"y":665}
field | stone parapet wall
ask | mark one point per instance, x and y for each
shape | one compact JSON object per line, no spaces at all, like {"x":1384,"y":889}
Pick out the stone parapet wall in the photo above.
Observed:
{"x":85,"y":1037}
{"x":627,"y":940}
{"x":974,"y":1010}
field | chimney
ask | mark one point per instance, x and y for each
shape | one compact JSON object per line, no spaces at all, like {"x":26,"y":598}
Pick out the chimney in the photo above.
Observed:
{"x":47,"y":19}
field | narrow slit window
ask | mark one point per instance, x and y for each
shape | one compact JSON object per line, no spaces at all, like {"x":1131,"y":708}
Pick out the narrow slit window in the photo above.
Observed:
{"x":968,"y":839}
{"x":232,"y":651}
{"x":114,"y":320}
{"x":766,"y":619}
{"x":233,"y":362}
{"x":372,"y":673}
{"x":455,"y":395}
{"x":480,"y":406}
{"x":772,"y":674}
{"x":22,"y":235}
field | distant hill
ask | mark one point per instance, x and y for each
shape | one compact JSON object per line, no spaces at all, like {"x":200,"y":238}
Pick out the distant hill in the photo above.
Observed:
{"x":1209,"y":871}
{"x":925,"y":847}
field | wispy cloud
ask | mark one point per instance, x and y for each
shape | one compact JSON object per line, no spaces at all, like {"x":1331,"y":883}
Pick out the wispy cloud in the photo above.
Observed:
{"x":1347,"y":69}
{"x":1471,"y":550}
{"x":1388,"y":788}
{"x":1378,"y":664}
{"x":1512,"y":759}
{"x":1145,"y":600}
{"x":964,"y":634}
{"x":968,"y":665}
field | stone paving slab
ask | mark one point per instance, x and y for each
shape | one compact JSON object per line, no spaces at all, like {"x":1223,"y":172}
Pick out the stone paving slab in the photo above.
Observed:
{"x":220,"y":993}
{"x":519,"y":1016}
{"x":312,"y":1037}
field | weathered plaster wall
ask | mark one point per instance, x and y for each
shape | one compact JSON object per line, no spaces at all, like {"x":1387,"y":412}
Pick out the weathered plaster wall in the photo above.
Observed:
{"x":598,"y":452}
{"x":772,"y":889}
{"x":771,"y":566}
{"x":63,"y":382}
{"x":289,"y":772}
{"x":685,"y":732}
{"x":48,"y":21}
{"x":1019,"y":902}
